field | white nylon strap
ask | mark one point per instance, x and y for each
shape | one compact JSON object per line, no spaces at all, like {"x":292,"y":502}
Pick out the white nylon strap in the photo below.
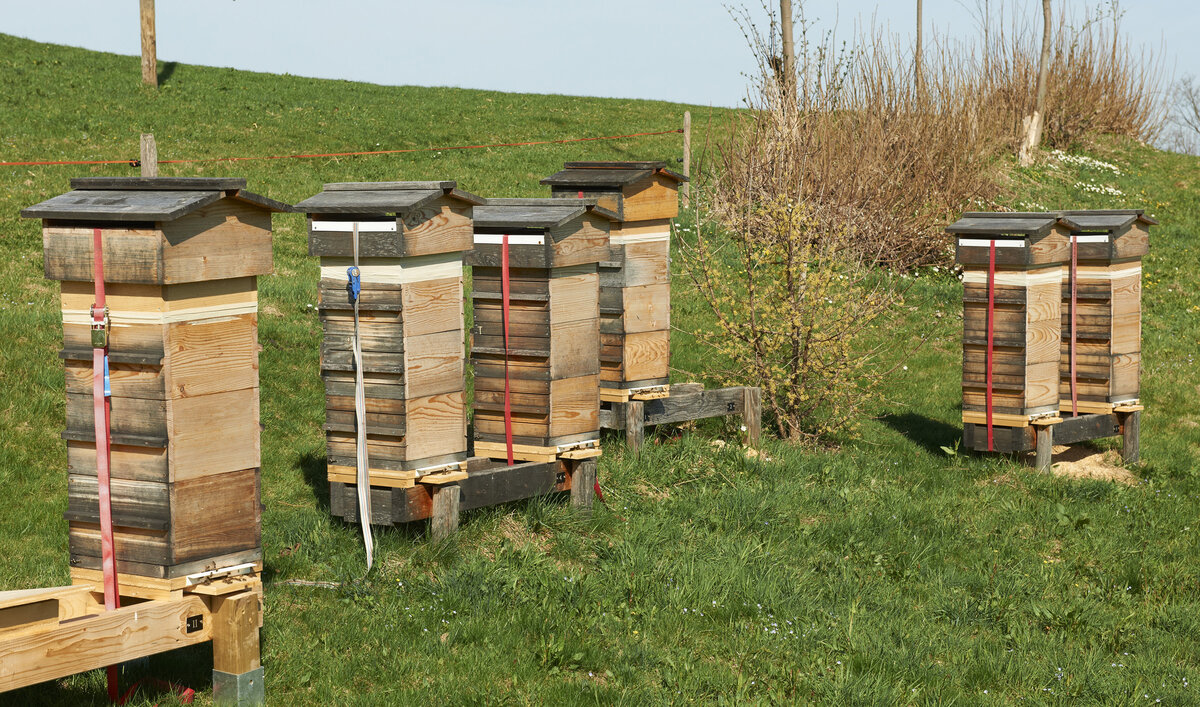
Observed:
{"x":360,"y":420}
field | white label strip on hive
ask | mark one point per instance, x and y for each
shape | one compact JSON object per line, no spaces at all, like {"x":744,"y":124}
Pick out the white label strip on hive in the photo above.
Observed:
{"x":1020,"y":279}
{"x":495,"y":239}
{"x":986,"y":242}
{"x":1089,"y":238}
{"x":396,"y":271}
{"x":348,"y":226}
{"x":626,"y":238}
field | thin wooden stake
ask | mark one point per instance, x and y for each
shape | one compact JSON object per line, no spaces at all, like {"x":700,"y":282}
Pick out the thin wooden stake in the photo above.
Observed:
{"x":1044,"y":446}
{"x":149,"y":49}
{"x":1131,"y":432}
{"x":583,"y":483}
{"x":149,"y":156}
{"x":444,"y":522}
{"x":686,"y":189}
{"x":752,"y":414}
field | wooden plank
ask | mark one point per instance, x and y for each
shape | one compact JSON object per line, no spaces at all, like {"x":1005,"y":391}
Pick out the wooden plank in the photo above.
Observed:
{"x":1086,"y":427}
{"x":583,"y":484}
{"x":227,"y":239}
{"x":215,"y":515}
{"x":109,"y":638}
{"x":1131,"y":429}
{"x":635,"y":424}
{"x":709,"y":403}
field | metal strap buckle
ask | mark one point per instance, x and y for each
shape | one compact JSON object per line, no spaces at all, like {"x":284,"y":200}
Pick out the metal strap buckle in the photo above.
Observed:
{"x":99,"y":329}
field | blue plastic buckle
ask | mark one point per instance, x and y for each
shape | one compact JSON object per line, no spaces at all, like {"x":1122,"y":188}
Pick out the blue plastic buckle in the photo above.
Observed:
{"x":107,"y":380}
{"x":355,"y":285}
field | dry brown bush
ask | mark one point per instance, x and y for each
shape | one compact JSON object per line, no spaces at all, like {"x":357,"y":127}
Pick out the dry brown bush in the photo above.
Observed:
{"x":852,"y":163}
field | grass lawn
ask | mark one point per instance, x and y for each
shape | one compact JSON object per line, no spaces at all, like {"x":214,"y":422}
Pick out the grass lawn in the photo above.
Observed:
{"x":885,"y":571}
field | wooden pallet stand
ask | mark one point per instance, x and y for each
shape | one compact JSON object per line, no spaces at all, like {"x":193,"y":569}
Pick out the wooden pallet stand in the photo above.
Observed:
{"x":181,"y":257}
{"x":1108,"y":335}
{"x":552,"y":358}
{"x":1041,"y":434}
{"x":485,"y":482}
{"x":685,"y":402}
{"x":411,"y":240}
{"x":635,"y":278}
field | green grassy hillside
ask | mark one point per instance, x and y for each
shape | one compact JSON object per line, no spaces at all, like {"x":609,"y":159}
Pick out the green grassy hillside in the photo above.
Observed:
{"x":885,"y":572}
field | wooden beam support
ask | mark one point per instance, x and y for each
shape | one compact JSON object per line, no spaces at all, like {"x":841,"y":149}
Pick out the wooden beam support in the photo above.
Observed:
{"x":685,"y":189}
{"x":237,"y":666}
{"x":752,"y":414}
{"x":1131,"y":433}
{"x":1044,"y":445}
{"x":635,"y":424}
{"x":583,"y":484}
{"x":444,"y":521}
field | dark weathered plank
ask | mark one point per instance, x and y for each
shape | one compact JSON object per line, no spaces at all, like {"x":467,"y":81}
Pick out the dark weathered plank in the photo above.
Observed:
{"x":709,"y":403}
{"x":498,"y":213}
{"x":375,"y":201}
{"x":159,"y":183}
{"x":1086,"y":427}
{"x":116,"y":205}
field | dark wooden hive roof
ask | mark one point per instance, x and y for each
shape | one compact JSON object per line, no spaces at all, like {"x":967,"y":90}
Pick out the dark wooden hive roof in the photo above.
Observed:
{"x":381,"y":197}
{"x":608,"y":174}
{"x":535,"y":213}
{"x":143,"y":198}
{"x":1035,"y":224}
{"x":1110,"y":221}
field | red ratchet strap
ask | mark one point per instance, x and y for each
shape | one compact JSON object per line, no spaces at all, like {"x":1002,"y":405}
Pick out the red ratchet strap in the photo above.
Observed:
{"x":1074,"y":308}
{"x":991,"y":322}
{"x":504,"y":306}
{"x":102,"y":411}
{"x":185,"y":694}
{"x":580,"y":193}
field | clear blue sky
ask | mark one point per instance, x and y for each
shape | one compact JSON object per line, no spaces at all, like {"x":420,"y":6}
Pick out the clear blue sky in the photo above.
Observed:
{"x":687,"y":51}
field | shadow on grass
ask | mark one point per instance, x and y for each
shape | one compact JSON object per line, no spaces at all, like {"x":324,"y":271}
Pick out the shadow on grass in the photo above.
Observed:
{"x":312,"y":466}
{"x":929,"y":433}
{"x":165,"y":71}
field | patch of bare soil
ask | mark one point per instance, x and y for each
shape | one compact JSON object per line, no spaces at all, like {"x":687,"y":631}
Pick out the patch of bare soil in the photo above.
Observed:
{"x":1081,"y":462}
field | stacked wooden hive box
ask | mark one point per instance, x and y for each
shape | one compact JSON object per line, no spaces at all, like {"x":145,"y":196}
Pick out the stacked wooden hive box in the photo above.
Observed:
{"x":635,"y":277}
{"x":1107,"y":333}
{"x":550,"y":362}
{"x":1020,"y":255}
{"x":411,"y":239}
{"x":181,"y":259}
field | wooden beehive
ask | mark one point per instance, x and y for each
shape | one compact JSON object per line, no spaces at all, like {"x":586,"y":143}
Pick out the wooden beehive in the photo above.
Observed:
{"x":1030,"y":248}
{"x":635,"y":278}
{"x":411,"y":240}
{"x":553,"y":354}
{"x":181,"y":260}
{"x":1108,"y":315}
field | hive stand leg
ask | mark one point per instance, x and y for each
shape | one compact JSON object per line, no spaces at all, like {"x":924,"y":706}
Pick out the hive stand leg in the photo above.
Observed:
{"x":1131,"y":433}
{"x":635,"y":425}
{"x":1044,"y":444}
{"x":583,"y":484}
{"x":237,"y":670}
{"x":444,"y":522}
{"x":752,"y":414}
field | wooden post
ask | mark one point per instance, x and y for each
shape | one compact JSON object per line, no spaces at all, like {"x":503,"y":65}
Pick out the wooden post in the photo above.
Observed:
{"x":635,"y":425}
{"x":149,"y":50}
{"x":444,"y":522}
{"x":1044,"y":446}
{"x":918,"y":69}
{"x":752,"y":414}
{"x":149,"y":156}
{"x":789,"y":45}
{"x":237,"y":666}
{"x":1131,"y":432}
{"x":685,"y":189}
{"x":583,"y":484}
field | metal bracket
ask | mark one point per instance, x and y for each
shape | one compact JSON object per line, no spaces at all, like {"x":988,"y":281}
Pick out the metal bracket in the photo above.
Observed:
{"x":99,"y":329}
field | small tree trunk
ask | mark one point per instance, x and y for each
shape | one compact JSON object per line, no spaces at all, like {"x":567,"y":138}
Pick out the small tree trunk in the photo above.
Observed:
{"x":789,"y":47}
{"x":918,"y":69}
{"x":1033,"y":123}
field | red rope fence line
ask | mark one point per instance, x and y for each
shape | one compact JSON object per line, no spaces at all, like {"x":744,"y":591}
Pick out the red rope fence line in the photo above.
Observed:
{"x":135,"y":163}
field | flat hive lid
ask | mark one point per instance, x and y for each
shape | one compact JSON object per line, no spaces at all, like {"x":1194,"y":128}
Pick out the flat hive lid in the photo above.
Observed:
{"x":1001,"y":224}
{"x":143,"y":198}
{"x":608,"y":174}
{"x":1106,"y":220}
{"x":381,"y":197}
{"x":535,"y":213}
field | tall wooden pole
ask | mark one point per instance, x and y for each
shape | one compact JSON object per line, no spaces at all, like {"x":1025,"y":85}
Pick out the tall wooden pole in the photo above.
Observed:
{"x":686,"y":190}
{"x":149,"y":51}
{"x":789,"y":46}
{"x":918,"y":69}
